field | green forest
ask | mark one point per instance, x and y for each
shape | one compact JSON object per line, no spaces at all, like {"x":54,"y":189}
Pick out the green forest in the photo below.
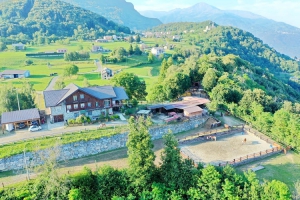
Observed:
{"x":222,"y":40}
{"x":175,"y":177}
{"x":25,"y":20}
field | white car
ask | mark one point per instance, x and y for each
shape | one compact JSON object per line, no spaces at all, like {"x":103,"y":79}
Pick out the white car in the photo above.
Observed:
{"x":34,"y":128}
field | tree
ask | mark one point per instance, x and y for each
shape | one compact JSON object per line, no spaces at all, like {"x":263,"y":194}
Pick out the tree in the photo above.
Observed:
{"x":2,"y":46}
{"x":86,"y":83}
{"x":130,"y":40}
{"x":138,"y":38}
{"x":134,"y":87}
{"x":151,"y":58}
{"x":275,"y":190}
{"x":140,"y":155}
{"x":59,"y":84}
{"x":156,"y":93}
{"x":209,"y":80}
{"x":163,"y":70}
{"x":176,"y":85}
{"x":170,"y":61}
{"x":130,"y":50}
{"x":71,"y":70}
{"x":28,"y":62}
{"x":137,"y":50}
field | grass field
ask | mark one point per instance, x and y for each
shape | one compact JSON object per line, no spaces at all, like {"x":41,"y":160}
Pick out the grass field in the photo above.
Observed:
{"x":40,"y":72}
{"x":285,"y":168}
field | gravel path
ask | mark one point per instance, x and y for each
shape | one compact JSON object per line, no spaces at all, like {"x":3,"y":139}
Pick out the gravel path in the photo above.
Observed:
{"x":52,"y":83}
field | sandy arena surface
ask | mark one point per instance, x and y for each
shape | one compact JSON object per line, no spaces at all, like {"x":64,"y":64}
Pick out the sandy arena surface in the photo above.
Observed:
{"x":226,"y":148}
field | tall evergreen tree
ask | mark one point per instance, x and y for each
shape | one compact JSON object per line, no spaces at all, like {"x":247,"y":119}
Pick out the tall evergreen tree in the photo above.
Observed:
{"x":140,"y":155}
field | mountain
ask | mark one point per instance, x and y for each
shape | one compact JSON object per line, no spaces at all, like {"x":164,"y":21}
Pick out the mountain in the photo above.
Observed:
{"x":281,"y":36}
{"x":51,"y":17}
{"x":118,"y":11}
{"x":224,"y":40}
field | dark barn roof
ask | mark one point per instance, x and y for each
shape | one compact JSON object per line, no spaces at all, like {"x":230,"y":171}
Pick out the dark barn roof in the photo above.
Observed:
{"x":20,"y":116}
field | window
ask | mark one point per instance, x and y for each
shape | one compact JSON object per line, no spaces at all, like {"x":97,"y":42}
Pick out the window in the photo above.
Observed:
{"x":69,"y":107}
{"x":82,"y":105}
{"x":75,"y":98}
{"x":89,"y":104}
{"x":81,"y":96}
{"x":76,"y":114}
{"x":106,"y":103}
{"x":97,"y":104}
{"x":90,"y":113}
{"x":75,"y":106}
{"x":58,"y":108}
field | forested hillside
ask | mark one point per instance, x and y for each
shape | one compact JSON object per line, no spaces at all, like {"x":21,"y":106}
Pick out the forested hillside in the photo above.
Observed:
{"x":119,"y":11}
{"x":22,"y":18}
{"x":281,"y":36}
{"x":222,"y":40}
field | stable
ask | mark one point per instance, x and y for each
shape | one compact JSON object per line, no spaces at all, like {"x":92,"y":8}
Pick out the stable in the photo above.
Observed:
{"x":6,"y":74}
{"x":10,"y":120}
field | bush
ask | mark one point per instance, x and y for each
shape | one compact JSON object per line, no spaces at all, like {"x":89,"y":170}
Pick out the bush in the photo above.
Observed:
{"x":134,"y":102}
{"x":71,"y":121}
{"x":28,"y":62}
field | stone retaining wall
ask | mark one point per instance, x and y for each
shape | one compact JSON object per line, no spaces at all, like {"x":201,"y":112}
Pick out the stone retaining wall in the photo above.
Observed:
{"x":86,"y":148}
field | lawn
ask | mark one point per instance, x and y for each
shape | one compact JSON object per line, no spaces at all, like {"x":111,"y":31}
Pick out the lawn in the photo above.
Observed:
{"x":40,"y":72}
{"x":285,"y":168}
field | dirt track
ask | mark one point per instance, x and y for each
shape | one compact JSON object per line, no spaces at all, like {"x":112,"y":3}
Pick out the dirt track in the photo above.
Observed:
{"x":226,"y":148}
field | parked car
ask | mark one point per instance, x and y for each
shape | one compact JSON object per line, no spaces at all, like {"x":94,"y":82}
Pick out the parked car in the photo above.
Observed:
{"x":35,"y":123}
{"x":22,"y":125}
{"x":34,"y":128}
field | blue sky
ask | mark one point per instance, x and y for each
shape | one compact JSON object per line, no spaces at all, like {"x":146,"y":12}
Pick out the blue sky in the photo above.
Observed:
{"x":287,"y":11}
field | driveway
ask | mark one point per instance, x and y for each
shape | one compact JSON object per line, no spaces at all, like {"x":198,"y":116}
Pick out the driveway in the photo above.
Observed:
{"x":54,"y":130}
{"x":52,"y":83}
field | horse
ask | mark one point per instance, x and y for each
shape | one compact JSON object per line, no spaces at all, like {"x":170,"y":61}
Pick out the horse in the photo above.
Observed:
{"x":244,"y":141}
{"x":102,"y":125}
{"x":214,"y":138}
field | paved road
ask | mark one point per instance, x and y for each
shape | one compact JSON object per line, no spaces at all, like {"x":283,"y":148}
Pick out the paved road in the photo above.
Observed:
{"x":52,"y":83}
{"x":25,"y":134}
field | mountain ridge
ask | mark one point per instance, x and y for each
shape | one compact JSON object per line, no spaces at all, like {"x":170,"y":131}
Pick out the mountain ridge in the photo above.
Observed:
{"x":281,"y":36}
{"x":119,"y":11}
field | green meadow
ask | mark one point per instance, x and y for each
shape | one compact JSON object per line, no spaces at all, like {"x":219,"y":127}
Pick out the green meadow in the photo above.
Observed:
{"x":40,"y":70}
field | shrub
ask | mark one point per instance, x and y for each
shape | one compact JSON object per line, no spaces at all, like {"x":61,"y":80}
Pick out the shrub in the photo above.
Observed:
{"x":71,"y":121}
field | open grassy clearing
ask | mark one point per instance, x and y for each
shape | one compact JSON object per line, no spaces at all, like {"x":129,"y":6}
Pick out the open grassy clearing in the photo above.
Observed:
{"x":285,"y":168}
{"x":40,"y":72}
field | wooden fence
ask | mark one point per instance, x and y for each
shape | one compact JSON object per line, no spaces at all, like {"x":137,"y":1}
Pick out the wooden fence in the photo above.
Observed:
{"x":276,"y":148}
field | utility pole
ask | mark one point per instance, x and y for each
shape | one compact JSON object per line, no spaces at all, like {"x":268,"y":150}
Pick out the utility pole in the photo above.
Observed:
{"x":26,"y":167}
{"x":18,"y":100}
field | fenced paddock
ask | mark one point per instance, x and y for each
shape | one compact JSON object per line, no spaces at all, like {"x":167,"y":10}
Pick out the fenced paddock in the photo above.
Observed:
{"x":229,"y":147}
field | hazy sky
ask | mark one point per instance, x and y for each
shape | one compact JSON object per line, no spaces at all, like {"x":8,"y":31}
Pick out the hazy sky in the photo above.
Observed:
{"x":287,"y":11}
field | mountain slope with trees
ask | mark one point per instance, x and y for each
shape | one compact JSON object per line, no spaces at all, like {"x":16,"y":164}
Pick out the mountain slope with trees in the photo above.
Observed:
{"x":118,"y":11}
{"x":222,"y":40}
{"x":25,"y":19}
{"x":281,"y":36}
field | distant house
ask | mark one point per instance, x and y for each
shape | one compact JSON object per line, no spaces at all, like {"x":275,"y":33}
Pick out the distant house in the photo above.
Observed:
{"x":96,"y":48}
{"x":157,"y":51}
{"x":14,"y":74}
{"x":108,"y":38}
{"x":143,"y":47}
{"x":176,"y":38}
{"x":73,"y":101}
{"x":107,"y":73}
{"x":61,"y":50}
{"x":18,"y":46}
{"x":101,"y":41}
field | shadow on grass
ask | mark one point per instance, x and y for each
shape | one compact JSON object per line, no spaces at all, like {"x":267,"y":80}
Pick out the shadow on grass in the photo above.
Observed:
{"x":38,"y":76}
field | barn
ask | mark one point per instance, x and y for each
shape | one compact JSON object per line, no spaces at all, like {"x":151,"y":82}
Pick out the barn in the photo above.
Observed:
{"x":6,"y":74}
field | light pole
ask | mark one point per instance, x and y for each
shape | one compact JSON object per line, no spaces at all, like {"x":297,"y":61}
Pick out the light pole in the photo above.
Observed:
{"x":18,"y":100}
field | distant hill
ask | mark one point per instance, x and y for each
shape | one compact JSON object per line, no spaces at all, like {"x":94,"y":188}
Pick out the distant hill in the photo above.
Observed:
{"x":51,"y":17}
{"x":281,"y":36}
{"x":119,"y":11}
{"x":224,"y":40}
